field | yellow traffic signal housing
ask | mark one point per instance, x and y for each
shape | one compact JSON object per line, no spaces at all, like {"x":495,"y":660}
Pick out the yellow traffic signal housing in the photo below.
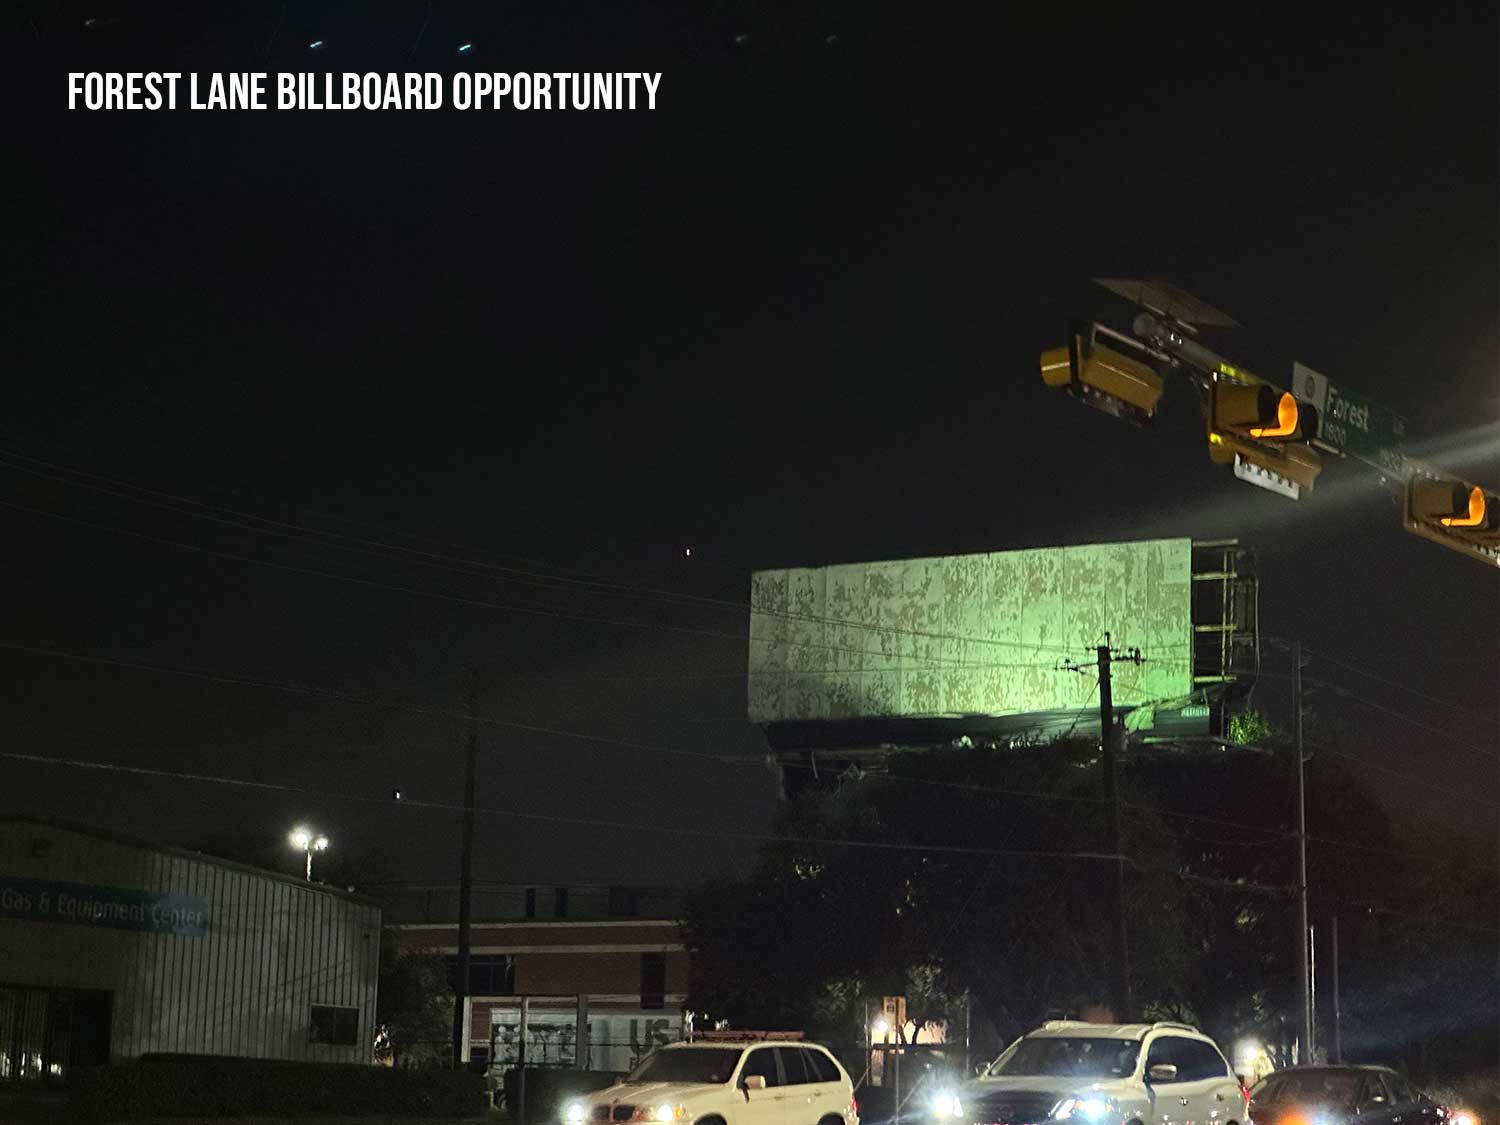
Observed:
{"x":1459,"y":515}
{"x":1103,"y":377}
{"x":1261,"y":412}
{"x":1289,"y":470}
{"x":1263,"y":432}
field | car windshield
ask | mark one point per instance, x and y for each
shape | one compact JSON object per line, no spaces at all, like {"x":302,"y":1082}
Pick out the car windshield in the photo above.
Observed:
{"x":1057,"y":1056}
{"x":1313,"y":1087}
{"x":707,"y":1065}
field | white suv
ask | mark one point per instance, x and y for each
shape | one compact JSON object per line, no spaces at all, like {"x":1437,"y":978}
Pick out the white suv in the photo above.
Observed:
{"x":1103,"y":1074}
{"x":726,"y":1083}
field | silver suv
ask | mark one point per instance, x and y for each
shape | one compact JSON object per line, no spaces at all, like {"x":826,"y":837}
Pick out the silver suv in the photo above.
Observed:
{"x":1102,"y":1074}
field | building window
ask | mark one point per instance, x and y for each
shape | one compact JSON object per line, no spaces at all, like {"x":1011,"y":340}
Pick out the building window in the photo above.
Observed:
{"x":624,"y":902}
{"x":490,"y":974}
{"x":531,"y":902}
{"x":653,"y":980}
{"x":560,"y":902}
{"x":338,"y":1027}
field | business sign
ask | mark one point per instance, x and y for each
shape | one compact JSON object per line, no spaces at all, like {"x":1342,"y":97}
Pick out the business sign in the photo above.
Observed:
{"x":111,"y":908}
{"x":969,"y":635}
{"x":1351,"y":424}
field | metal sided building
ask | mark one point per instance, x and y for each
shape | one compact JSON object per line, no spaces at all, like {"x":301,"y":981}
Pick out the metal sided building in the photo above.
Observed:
{"x":858,"y":660}
{"x":113,"y":948}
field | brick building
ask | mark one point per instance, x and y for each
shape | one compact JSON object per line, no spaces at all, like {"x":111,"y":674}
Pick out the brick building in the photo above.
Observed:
{"x":620,"y":947}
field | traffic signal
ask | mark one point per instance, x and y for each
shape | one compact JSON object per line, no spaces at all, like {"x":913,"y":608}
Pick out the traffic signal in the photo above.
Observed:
{"x":1263,"y":432}
{"x":1262,"y":412}
{"x":1455,"y":513}
{"x":1104,"y":377}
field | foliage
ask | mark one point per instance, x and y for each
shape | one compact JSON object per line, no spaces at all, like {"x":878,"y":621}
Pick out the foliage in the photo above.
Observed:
{"x":818,"y":932}
{"x":414,"y":1005}
{"x":1249,"y":727}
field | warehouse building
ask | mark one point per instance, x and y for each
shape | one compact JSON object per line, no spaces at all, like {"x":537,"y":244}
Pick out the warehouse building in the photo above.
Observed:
{"x":113,"y":948}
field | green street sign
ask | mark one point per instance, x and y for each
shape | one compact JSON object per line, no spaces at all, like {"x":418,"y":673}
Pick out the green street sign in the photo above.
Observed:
{"x":1351,"y":424}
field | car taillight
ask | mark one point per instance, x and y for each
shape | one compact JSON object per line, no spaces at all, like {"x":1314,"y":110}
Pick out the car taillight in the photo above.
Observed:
{"x":853,"y":1106}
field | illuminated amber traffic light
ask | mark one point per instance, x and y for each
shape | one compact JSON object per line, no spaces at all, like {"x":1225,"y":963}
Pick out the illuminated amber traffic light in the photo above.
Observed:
{"x":1286,"y":419}
{"x":1475,"y":516}
{"x":1103,"y":377}
{"x":1263,"y":432}
{"x":1261,"y":411}
{"x":1455,"y":513}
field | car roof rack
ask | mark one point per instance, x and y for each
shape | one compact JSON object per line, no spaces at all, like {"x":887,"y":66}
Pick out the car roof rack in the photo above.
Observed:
{"x":1175,"y":1025}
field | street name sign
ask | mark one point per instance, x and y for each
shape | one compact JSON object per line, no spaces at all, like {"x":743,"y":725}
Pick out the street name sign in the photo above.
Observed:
{"x":1351,"y":424}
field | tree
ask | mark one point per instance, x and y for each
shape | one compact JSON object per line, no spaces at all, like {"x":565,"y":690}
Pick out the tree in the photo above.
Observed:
{"x":414,"y":1006}
{"x":819,"y":929}
{"x":1022,"y":934}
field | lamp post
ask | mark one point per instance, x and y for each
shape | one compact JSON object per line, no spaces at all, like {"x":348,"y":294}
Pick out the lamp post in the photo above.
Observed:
{"x":309,"y":842}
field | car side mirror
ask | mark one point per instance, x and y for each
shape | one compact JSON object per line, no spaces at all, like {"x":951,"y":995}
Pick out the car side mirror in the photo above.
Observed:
{"x":753,"y":1082}
{"x":1162,"y":1072}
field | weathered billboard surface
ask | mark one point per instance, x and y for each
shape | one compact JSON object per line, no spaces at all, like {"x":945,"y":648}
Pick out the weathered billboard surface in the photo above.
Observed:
{"x":969,"y":634}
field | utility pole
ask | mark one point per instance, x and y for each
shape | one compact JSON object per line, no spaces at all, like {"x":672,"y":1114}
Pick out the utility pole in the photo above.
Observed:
{"x":1304,"y":985}
{"x":466,"y":878}
{"x":1121,"y":999}
{"x":1333,"y":972}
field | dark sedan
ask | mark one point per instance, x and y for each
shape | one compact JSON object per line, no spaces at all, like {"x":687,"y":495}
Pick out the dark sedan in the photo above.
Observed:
{"x":1341,"y":1095}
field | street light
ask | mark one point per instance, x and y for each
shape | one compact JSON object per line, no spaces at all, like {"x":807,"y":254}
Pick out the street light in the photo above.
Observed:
{"x":309,"y":842}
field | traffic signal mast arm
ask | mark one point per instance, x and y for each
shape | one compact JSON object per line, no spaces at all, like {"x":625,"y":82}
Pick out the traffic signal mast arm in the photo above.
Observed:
{"x":1263,"y":431}
{"x":1271,"y":435}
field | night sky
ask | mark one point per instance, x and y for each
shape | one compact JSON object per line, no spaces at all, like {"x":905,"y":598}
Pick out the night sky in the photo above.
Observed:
{"x":466,"y":367}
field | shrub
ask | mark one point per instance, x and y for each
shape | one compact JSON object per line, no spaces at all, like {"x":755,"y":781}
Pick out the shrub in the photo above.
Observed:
{"x":210,"y":1086}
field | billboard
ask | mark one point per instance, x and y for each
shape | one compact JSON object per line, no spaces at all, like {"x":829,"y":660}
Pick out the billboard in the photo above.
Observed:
{"x":969,"y":635}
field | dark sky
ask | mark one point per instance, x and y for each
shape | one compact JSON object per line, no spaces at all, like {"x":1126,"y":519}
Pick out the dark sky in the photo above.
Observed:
{"x":791,"y":317}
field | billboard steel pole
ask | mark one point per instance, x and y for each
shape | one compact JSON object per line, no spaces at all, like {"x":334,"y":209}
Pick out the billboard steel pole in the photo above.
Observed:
{"x":1304,"y":984}
{"x":1121,"y":999}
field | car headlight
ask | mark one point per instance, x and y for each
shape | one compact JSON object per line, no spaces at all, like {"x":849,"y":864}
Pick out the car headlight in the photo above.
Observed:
{"x":574,"y":1112}
{"x":1085,"y":1108}
{"x":947,"y":1107}
{"x":669,"y":1112}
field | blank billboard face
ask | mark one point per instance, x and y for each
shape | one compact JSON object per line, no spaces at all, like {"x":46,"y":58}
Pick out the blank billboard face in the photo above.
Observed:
{"x":969,"y":634}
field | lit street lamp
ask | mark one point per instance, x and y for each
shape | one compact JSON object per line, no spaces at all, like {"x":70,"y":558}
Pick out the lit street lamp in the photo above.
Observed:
{"x":309,"y":842}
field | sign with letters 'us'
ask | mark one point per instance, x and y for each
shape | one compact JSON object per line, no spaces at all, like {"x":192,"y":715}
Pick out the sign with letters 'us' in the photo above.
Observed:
{"x":114,"y":908}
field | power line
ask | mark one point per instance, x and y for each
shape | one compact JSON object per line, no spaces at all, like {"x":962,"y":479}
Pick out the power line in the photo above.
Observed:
{"x":624,"y":745}
{"x":475,"y":603}
{"x":382,"y":549}
{"x":656,"y":827}
{"x":1363,"y":670}
{"x":1418,"y":723}
{"x":594,"y":822}
{"x":466,"y":566}
{"x":1454,"y":793}
{"x":346,"y":697}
